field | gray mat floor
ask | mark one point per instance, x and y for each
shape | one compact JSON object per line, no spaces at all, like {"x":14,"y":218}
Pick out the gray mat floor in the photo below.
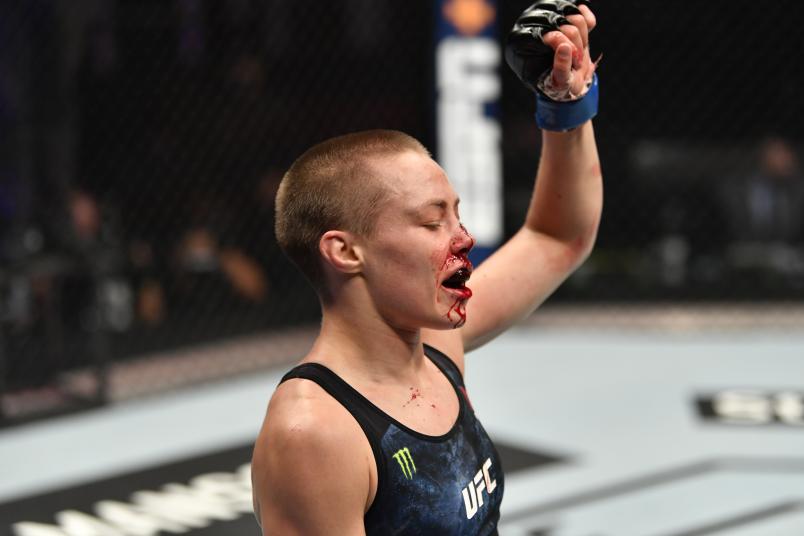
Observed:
{"x":659,"y":434}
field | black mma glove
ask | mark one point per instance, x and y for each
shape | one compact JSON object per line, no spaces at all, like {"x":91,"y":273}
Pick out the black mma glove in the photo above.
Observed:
{"x":525,"y":52}
{"x":532,"y":60}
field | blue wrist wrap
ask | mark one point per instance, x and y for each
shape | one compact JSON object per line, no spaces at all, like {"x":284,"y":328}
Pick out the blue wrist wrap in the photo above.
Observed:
{"x":563,"y":116}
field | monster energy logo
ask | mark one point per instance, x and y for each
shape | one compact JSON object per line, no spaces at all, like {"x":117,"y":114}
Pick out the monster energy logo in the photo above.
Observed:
{"x":405,"y":461}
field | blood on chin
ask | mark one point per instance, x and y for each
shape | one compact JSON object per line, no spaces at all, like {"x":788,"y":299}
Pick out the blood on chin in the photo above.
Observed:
{"x":457,"y":311}
{"x":462,"y":293}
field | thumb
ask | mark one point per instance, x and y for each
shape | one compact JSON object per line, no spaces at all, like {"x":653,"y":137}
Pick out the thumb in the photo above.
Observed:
{"x":562,"y":66}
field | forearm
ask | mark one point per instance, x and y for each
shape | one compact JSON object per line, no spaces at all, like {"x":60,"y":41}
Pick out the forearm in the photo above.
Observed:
{"x":568,"y":196}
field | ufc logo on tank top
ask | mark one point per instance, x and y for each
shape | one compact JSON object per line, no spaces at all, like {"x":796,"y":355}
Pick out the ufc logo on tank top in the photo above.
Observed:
{"x":473,"y":492}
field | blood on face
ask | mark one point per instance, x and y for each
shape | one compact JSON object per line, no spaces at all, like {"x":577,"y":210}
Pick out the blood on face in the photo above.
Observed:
{"x":458,"y":307}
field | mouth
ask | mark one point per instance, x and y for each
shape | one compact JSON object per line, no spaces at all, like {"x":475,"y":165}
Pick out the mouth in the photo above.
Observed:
{"x":456,"y":283}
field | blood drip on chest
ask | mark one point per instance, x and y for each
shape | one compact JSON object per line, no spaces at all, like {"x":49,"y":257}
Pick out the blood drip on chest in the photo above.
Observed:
{"x":415,"y":394}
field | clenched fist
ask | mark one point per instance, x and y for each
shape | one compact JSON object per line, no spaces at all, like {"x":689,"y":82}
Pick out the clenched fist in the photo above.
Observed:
{"x":553,"y":36}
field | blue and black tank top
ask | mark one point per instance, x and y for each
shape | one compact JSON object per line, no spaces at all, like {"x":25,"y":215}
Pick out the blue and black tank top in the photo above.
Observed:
{"x":426,"y":485}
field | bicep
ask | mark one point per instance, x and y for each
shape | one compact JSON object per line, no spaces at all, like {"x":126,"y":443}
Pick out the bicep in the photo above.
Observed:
{"x":309,"y":481}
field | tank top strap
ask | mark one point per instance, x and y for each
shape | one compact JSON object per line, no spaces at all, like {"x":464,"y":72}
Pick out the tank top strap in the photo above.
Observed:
{"x":447,"y":365}
{"x":452,"y":372}
{"x":373,"y":422}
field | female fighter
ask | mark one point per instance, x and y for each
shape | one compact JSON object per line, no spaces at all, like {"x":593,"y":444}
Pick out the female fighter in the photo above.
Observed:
{"x":373,"y":432}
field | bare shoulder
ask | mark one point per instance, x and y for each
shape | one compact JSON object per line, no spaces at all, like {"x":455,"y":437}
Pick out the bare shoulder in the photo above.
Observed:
{"x":448,"y":342}
{"x":311,"y":467}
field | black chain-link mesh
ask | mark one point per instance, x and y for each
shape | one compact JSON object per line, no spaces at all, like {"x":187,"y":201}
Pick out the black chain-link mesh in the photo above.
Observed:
{"x":142,"y":144}
{"x":700,"y":136}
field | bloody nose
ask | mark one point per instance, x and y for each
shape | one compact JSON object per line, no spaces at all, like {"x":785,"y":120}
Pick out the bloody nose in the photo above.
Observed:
{"x":463,"y":241}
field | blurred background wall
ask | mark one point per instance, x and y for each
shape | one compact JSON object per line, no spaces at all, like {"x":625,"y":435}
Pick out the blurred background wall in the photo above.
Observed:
{"x":142,"y":142}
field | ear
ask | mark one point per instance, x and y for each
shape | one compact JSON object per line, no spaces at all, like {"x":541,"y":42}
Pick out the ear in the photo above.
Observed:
{"x":341,"y":251}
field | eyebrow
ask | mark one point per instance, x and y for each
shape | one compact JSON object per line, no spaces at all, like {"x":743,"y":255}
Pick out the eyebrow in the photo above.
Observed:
{"x":435,"y":202}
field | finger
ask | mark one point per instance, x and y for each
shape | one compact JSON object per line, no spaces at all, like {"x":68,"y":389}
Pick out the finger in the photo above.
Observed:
{"x":580,"y":22}
{"x":555,"y":38}
{"x":562,"y":66}
{"x":574,"y":35}
{"x":585,"y":77}
{"x":591,"y":20}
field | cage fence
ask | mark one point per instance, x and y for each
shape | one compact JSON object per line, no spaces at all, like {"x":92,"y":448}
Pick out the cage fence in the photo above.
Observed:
{"x":143,"y":143}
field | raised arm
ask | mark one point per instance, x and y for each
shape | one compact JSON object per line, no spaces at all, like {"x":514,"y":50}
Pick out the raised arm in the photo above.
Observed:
{"x":558,"y":235}
{"x":562,"y":221}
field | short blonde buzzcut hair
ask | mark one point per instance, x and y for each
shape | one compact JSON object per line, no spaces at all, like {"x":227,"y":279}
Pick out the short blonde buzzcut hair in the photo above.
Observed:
{"x":332,"y":187}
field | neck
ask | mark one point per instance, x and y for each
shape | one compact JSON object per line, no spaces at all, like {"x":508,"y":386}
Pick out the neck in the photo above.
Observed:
{"x":357,"y":341}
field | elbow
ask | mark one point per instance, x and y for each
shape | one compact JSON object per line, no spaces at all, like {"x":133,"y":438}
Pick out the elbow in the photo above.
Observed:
{"x":580,"y":248}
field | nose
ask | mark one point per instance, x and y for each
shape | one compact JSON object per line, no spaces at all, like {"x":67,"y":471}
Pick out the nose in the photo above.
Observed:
{"x":462,"y":242}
